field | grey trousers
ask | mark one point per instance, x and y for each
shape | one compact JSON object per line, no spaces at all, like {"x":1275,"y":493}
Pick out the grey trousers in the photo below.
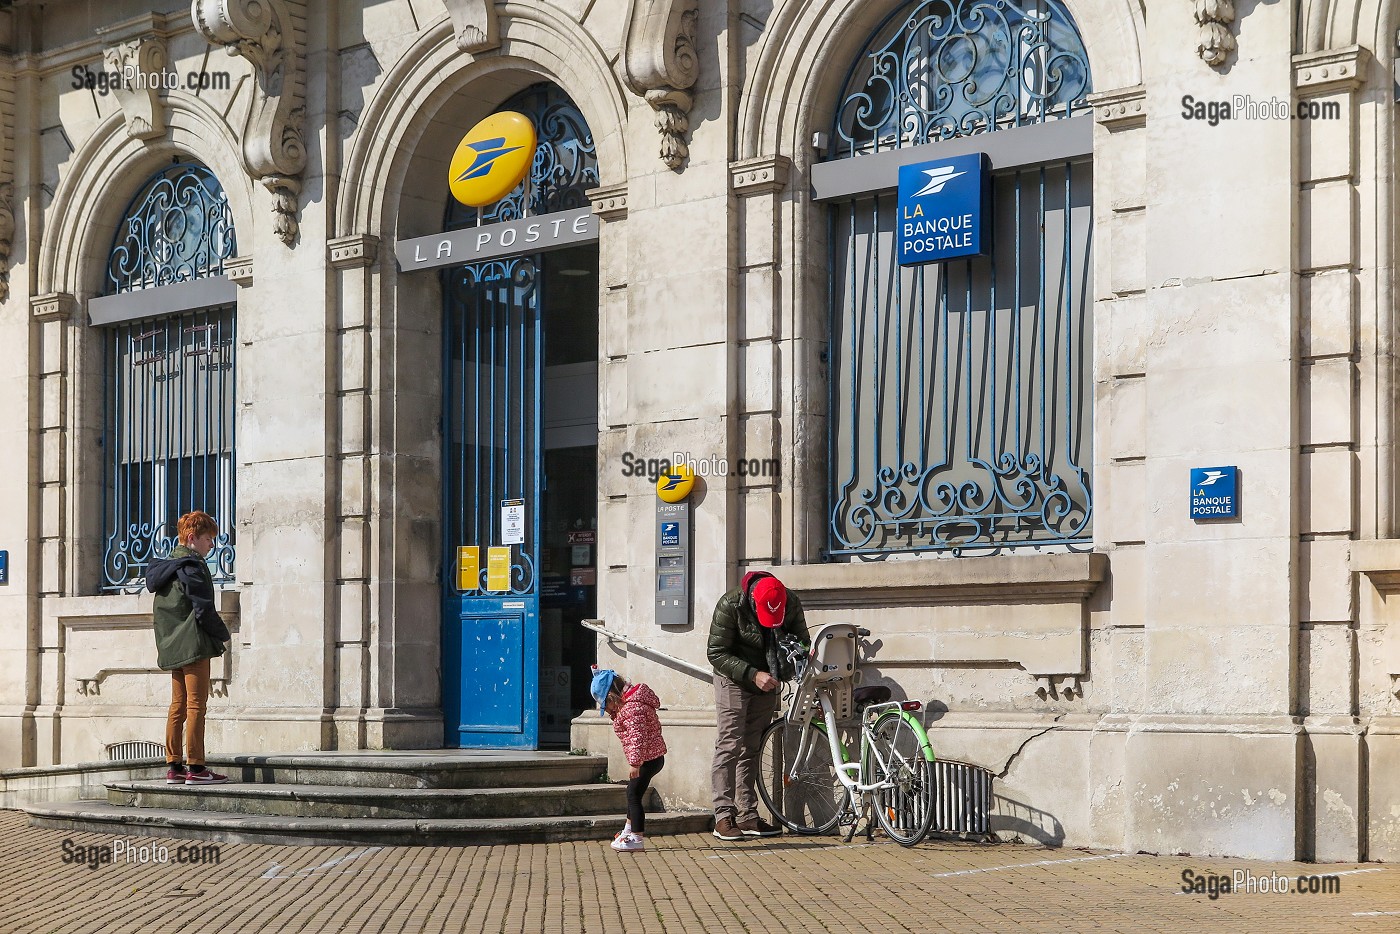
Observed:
{"x":739,"y":721}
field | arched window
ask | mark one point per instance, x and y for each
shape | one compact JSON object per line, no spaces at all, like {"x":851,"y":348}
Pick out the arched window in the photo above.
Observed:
{"x":169,"y":428}
{"x":961,"y":391}
{"x":949,"y":68}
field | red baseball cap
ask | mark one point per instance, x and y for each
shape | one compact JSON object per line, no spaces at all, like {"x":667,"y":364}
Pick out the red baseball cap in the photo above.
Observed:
{"x":770,"y":601}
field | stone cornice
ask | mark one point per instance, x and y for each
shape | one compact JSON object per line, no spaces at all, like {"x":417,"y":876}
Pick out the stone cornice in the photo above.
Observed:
{"x":1316,"y":73}
{"x":609,"y":203}
{"x":767,"y":175}
{"x":146,"y":24}
{"x":353,"y":251}
{"x":935,"y":581}
{"x":1123,"y":109}
{"x":62,"y":58}
{"x":55,"y":306}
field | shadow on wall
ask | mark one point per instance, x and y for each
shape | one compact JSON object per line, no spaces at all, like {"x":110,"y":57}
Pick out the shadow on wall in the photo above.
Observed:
{"x":1009,"y":819}
{"x":1012,"y":819}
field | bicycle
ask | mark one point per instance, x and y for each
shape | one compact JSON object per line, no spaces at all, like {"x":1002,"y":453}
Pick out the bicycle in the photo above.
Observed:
{"x":799,"y":778}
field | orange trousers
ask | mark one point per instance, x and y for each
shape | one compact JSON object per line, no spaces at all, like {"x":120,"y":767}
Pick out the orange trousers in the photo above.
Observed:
{"x":184,"y":725}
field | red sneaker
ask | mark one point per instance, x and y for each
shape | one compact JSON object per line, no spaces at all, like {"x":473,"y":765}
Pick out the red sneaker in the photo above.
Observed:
{"x":203,"y":776}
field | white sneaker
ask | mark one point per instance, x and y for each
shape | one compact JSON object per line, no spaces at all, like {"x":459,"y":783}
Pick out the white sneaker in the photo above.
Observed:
{"x":629,"y":842}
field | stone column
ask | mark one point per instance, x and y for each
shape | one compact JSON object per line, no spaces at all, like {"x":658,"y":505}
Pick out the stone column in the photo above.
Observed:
{"x":768,"y":405}
{"x":1120,"y":438}
{"x":54,"y":318}
{"x":1212,"y":761}
{"x":356,"y":259}
{"x":1333,"y":420}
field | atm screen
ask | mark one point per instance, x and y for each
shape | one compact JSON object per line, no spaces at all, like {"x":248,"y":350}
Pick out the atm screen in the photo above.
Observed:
{"x":670,"y":583}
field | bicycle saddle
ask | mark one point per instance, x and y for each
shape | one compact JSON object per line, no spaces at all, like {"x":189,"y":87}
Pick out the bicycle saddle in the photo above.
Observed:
{"x":870,"y":694}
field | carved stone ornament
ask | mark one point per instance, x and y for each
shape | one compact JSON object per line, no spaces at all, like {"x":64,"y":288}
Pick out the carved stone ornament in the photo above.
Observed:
{"x":1213,"y":17}
{"x":7,"y":234}
{"x":141,"y":63}
{"x":474,"y":24}
{"x":661,"y":67}
{"x":273,"y":151}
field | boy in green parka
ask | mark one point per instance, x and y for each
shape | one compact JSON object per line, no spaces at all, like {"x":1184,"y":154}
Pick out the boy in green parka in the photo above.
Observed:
{"x":189,"y":632}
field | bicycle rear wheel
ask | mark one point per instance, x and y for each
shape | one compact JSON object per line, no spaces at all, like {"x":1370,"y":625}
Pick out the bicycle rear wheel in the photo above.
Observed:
{"x":811,"y":800}
{"x":905,"y":810}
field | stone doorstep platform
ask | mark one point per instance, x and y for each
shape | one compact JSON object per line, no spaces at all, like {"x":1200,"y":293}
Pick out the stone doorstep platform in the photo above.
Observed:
{"x":220,"y":827}
{"x":333,"y":801}
{"x":391,"y":798}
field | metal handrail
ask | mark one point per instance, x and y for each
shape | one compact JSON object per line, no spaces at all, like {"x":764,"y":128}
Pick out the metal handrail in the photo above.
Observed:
{"x":702,"y":673}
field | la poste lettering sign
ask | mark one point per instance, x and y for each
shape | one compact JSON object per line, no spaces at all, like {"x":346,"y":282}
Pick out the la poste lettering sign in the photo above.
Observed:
{"x":491,"y":241}
{"x":1215,"y":492}
{"x":944,"y":208}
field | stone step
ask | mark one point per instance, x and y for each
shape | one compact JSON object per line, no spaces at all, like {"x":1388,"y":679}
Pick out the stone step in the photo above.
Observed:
{"x":428,"y":769}
{"x":338,"y":801}
{"x":219,"y":827}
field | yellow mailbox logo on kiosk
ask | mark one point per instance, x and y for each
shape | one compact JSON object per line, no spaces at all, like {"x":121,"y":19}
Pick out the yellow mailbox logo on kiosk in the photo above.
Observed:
{"x":675,"y":485}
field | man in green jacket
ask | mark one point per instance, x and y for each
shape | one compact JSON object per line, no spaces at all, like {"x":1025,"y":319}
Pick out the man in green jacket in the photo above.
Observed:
{"x":189,"y":632}
{"x":743,"y":651}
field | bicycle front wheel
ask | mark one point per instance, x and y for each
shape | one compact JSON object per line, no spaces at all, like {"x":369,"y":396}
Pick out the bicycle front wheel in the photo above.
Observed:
{"x":896,"y":757}
{"x":810,"y":799}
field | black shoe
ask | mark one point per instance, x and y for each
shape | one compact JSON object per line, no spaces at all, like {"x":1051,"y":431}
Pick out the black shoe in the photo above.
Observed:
{"x":758,"y":827}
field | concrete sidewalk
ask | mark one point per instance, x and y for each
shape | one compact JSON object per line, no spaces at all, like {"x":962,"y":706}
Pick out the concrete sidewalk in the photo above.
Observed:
{"x":685,"y":883}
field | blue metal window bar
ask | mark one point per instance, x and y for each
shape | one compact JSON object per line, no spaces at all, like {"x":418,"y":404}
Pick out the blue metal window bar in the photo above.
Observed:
{"x":961,"y":392}
{"x":170,"y":383}
{"x":492,"y":412}
{"x":492,"y":336}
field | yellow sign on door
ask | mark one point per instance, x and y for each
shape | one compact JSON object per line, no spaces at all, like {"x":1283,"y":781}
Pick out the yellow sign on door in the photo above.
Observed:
{"x":498,"y":568}
{"x":468,"y":567}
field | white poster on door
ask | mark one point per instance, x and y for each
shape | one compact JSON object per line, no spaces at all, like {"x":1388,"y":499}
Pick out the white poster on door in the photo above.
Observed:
{"x":512,"y":522}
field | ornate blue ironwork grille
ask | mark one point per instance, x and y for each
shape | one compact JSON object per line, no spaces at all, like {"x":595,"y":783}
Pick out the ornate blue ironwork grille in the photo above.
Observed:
{"x":169,"y":437}
{"x":178,"y":228}
{"x":957,"y":67}
{"x":961,"y":392}
{"x":565,"y":166}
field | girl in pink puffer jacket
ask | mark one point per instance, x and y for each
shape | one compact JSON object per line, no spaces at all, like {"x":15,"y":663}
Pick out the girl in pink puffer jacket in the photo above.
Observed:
{"x":633,"y":712}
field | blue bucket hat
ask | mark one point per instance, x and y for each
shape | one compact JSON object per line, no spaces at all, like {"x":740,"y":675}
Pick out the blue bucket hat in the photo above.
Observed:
{"x":602,"y":683}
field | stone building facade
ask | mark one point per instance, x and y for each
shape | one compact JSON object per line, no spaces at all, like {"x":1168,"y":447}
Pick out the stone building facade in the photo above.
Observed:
{"x":1136,"y":679}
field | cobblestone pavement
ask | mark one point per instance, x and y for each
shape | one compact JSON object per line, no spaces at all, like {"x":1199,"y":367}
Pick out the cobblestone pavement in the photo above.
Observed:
{"x":685,"y":883}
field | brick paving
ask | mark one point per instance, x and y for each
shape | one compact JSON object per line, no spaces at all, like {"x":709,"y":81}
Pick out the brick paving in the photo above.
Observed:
{"x":683,"y":883}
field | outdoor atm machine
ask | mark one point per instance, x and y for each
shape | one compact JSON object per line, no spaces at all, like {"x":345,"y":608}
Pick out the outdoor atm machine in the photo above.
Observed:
{"x":673,"y":560}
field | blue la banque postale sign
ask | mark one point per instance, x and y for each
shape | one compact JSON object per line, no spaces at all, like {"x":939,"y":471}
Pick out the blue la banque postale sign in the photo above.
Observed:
{"x":1215,"y":492}
{"x":943,"y":210}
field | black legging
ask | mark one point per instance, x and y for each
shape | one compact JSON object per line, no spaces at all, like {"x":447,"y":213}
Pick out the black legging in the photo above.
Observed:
{"x":637,"y":790}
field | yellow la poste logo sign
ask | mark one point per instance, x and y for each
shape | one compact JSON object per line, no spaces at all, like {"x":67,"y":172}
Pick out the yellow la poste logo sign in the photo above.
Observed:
{"x":492,"y":159}
{"x":675,"y":484}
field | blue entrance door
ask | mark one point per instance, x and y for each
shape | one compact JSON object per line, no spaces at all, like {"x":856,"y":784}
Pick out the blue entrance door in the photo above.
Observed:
{"x":491,"y":472}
